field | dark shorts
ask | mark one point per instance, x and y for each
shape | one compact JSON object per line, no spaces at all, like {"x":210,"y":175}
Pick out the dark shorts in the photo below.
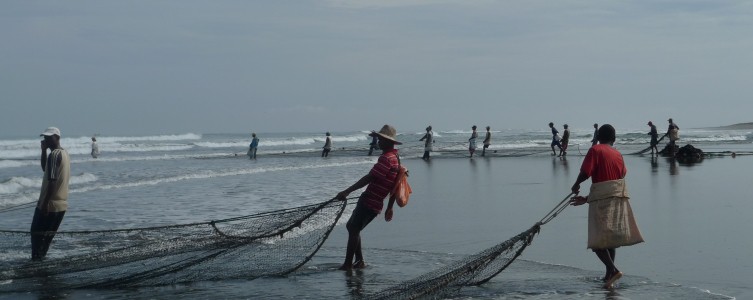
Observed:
{"x":556,"y":143}
{"x":654,"y":141}
{"x":361,"y":217}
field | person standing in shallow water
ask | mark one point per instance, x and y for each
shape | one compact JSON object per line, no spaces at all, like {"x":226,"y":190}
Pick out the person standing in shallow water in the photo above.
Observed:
{"x":555,"y":139}
{"x":252,"y":147}
{"x":595,"y":139}
{"x":378,"y":182}
{"x":673,"y":131}
{"x":654,"y":138}
{"x":95,"y":148}
{"x":472,"y":141}
{"x":487,"y":140}
{"x":327,"y":145}
{"x":53,"y":199}
{"x":565,"y":139}
{"x":611,"y":223}
{"x":428,"y":139}
{"x":374,"y":144}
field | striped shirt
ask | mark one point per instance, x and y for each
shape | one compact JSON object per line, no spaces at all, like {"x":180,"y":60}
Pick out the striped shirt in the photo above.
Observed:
{"x":383,"y":176}
{"x":57,"y":173}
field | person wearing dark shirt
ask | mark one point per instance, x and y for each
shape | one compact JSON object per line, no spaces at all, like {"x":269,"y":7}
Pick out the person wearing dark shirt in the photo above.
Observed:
{"x":374,"y":144}
{"x":555,"y":139}
{"x":654,"y":138}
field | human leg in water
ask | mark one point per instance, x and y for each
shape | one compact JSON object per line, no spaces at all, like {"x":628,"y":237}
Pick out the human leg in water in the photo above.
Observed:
{"x":359,"y":262}
{"x":607,"y":258}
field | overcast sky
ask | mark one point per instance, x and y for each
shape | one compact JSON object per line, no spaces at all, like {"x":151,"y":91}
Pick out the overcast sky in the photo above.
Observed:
{"x":178,"y":66}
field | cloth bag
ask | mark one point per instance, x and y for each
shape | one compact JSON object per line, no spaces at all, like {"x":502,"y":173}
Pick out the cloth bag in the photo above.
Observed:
{"x":402,"y":190}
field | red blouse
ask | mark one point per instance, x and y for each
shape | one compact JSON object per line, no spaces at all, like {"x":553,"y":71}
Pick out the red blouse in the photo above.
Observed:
{"x":603,"y":163}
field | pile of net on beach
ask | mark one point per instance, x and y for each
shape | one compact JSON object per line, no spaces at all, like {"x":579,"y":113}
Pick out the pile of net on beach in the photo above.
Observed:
{"x":266,"y":244}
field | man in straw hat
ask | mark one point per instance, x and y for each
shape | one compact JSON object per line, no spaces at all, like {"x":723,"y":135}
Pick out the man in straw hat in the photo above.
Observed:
{"x":378,"y":182}
{"x":53,"y":199}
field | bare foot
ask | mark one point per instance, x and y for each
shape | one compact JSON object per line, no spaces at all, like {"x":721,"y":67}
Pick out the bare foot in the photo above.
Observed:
{"x":345,"y":267}
{"x":610,"y":283}
{"x":359,"y":265}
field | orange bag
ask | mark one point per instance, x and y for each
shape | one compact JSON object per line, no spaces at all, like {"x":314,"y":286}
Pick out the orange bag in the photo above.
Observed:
{"x":401,"y":192}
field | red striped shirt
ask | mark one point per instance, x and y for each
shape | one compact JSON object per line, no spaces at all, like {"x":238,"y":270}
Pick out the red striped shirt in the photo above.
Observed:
{"x":383,"y":176}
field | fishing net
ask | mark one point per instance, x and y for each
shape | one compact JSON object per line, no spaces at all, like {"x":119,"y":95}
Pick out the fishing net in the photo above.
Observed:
{"x":265,"y":244}
{"x":473,"y":270}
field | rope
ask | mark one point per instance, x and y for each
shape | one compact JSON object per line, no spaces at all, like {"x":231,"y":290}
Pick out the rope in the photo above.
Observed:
{"x":18,"y":207}
{"x":556,"y":210}
{"x":211,"y":223}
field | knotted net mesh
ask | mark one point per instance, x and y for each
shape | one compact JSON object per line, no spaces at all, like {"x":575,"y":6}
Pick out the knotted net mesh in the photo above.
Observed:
{"x":265,"y":244}
{"x":473,"y":270}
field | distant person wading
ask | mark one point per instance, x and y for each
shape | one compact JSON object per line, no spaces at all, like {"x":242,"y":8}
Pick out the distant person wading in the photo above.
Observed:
{"x":252,"y":147}
{"x":487,"y":140}
{"x":327,"y":145}
{"x":95,"y":148}
{"x":428,"y":140}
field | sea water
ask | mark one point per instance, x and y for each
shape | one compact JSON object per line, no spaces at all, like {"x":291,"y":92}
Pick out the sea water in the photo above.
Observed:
{"x":693,"y":216}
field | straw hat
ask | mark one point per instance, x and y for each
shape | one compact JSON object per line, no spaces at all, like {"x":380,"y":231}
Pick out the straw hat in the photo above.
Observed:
{"x":388,"y":132}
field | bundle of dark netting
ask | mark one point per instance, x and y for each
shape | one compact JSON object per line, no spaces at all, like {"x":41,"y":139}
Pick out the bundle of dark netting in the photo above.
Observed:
{"x":473,"y":270}
{"x":266,"y":244}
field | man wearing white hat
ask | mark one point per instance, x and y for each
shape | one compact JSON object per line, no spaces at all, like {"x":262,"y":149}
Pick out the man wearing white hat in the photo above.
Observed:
{"x":53,"y":199}
{"x":379,"y":182}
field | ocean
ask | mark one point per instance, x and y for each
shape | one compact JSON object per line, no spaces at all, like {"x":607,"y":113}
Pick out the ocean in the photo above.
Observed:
{"x":692,"y":215}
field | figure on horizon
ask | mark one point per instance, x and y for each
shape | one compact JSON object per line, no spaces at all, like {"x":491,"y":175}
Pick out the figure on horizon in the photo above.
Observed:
{"x":95,"y":148}
{"x":610,"y":218}
{"x":555,"y":139}
{"x":378,"y":182}
{"x":428,"y":139}
{"x":472,"y":141}
{"x":487,"y":140}
{"x":53,"y":199}
{"x":595,"y":139}
{"x":565,"y":139}
{"x":252,"y":147}
{"x":654,"y":138}
{"x":327,"y":145}
{"x":374,"y":144}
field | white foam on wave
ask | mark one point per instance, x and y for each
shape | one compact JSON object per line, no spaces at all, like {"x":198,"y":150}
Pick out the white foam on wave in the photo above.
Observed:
{"x":213,"y":174}
{"x":20,"y":190}
{"x":232,"y":144}
{"x":299,"y":141}
{"x":17,"y":184}
{"x":82,"y":145}
{"x":85,"y":149}
{"x":17,"y":163}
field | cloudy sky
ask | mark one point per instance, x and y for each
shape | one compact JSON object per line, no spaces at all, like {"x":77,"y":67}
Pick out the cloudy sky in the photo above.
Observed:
{"x":147,"y":67}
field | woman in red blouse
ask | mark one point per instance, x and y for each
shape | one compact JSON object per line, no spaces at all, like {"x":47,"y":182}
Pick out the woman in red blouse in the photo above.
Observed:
{"x":610,"y":218}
